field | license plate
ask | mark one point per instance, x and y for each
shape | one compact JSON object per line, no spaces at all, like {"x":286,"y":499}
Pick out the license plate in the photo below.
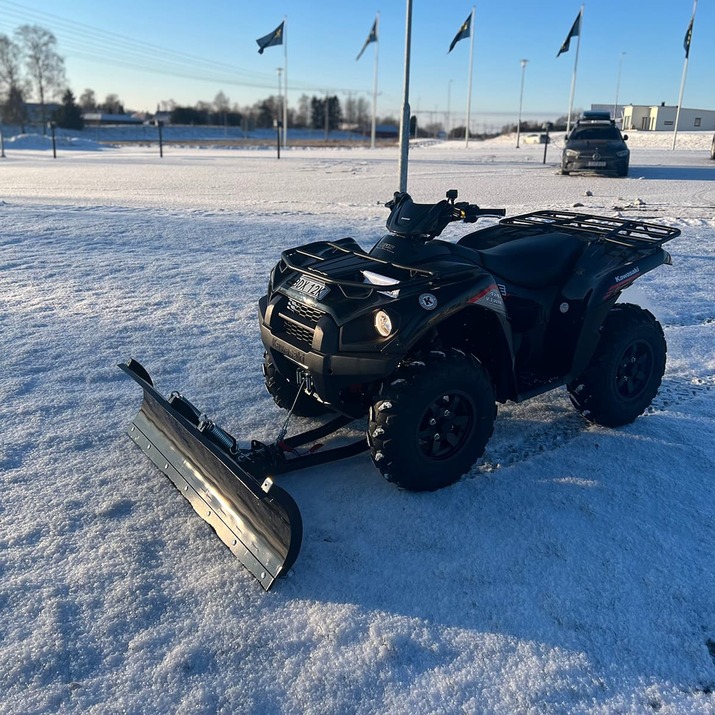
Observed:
{"x":597,"y":163}
{"x":310,"y":287}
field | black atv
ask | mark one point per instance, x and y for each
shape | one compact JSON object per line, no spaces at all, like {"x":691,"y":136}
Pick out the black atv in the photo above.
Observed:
{"x":423,"y":336}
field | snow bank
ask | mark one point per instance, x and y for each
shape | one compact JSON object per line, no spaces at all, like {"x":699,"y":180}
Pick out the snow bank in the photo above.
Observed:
{"x":43,"y":143}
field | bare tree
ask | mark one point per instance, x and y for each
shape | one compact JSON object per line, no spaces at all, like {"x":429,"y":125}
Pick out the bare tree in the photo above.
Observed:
{"x":10,"y":65}
{"x":222,"y":103}
{"x":362,"y":109}
{"x":13,"y":85}
{"x":302,"y":115}
{"x":88,"y":100}
{"x":112,"y":105}
{"x":45,"y":67}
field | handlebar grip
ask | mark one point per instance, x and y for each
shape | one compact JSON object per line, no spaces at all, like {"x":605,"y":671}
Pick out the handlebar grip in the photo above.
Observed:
{"x":473,"y":212}
{"x":491,"y":212}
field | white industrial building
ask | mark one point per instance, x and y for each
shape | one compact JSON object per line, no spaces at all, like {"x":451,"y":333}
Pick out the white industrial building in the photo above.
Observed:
{"x":659,"y":117}
{"x":662,"y":118}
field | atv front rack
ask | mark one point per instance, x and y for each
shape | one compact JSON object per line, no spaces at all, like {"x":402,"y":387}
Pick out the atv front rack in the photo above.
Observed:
{"x":307,"y":262}
{"x":231,"y":487}
{"x":624,"y":232}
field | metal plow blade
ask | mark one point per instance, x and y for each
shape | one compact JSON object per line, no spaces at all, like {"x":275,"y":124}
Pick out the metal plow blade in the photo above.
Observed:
{"x":256,"y":519}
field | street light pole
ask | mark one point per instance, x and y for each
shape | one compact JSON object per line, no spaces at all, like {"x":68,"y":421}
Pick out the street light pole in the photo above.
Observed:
{"x":521,"y":100}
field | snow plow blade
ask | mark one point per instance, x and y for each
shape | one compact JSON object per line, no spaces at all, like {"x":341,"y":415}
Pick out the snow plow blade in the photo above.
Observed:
{"x":256,"y":519}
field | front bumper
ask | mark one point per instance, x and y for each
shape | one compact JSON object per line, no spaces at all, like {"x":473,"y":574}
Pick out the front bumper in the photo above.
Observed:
{"x":609,"y":165}
{"x":309,"y":346}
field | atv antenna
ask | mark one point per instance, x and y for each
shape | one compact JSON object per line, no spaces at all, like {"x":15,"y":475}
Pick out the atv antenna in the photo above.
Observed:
{"x":405,"y":122}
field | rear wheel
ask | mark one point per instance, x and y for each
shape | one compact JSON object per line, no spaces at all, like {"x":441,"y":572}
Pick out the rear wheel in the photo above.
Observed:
{"x":626,"y":370}
{"x":432,"y":421}
{"x":284,"y":392}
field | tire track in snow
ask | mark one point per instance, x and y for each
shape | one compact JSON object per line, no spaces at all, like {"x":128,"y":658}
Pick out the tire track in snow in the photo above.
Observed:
{"x":674,"y":391}
{"x":695,"y":322}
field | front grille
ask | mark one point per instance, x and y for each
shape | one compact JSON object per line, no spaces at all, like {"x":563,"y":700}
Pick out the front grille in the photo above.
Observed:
{"x":298,"y":332}
{"x":307,"y":312}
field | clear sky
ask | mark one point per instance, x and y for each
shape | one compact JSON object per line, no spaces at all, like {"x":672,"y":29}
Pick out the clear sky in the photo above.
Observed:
{"x":187,"y":51}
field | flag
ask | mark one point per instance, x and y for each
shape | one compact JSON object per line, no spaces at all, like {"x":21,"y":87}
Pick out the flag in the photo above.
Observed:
{"x":272,"y":38}
{"x":464,"y":31}
{"x":372,"y":37}
{"x":688,"y":37}
{"x":573,"y":32}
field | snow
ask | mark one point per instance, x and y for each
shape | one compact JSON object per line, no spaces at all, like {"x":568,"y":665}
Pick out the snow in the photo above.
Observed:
{"x":570,"y":572}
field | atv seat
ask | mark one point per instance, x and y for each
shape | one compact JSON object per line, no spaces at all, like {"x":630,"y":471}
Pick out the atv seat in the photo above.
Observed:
{"x":534,"y":261}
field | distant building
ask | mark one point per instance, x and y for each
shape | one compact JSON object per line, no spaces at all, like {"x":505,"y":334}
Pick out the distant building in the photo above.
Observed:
{"x":95,"y":118}
{"x":387,"y":131}
{"x":661,"y":117}
{"x":34,"y":111}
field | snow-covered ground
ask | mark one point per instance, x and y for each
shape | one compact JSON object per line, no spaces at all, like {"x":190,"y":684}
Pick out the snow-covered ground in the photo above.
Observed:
{"x":570,"y":572}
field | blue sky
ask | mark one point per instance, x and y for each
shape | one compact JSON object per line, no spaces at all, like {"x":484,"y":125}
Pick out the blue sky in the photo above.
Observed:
{"x":140,"y":51}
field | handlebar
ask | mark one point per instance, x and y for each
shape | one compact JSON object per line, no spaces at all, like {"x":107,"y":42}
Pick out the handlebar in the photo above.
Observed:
{"x":469,"y":213}
{"x":428,"y":220}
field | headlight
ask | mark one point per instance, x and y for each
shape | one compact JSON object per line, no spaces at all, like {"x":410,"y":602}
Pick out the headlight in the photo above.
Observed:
{"x":572,"y":154}
{"x":623,"y":152}
{"x":383,"y":323}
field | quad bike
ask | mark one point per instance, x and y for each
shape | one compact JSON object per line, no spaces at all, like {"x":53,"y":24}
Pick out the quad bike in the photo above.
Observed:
{"x":422,"y":337}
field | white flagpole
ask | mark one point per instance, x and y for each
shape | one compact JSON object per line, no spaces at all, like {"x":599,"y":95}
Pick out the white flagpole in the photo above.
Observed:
{"x":682,"y":81}
{"x":374,"y":83}
{"x":405,"y":122}
{"x":575,"y":67}
{"x":285,"y":81}
{"x":469,"y":85}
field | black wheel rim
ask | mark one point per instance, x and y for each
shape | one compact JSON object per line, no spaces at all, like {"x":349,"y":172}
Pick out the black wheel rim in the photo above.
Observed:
{"x":634,"y":369}
{"x":445,"y":426}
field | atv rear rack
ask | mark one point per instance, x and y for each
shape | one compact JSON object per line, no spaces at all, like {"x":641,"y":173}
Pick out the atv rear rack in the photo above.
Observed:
{"x":624,"y":232}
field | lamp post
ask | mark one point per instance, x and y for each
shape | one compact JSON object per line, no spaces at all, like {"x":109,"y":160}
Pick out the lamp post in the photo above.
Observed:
{"x":521,"y":100}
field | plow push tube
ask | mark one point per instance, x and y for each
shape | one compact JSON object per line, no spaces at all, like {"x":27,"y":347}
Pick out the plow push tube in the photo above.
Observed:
{"x":256,"y":519}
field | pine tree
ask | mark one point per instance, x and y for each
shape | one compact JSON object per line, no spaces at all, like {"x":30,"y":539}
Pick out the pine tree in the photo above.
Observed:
{"x":69,"y":115}
{"x":14,"y":111}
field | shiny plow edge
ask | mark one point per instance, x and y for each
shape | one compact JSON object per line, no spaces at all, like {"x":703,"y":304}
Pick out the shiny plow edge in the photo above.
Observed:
{"x":256,"y":519}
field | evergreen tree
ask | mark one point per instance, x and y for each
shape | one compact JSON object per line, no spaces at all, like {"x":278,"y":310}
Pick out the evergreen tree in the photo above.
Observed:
{"x":69,"y":115}
{"x":317,"y":113}
{"x":14,"y":111}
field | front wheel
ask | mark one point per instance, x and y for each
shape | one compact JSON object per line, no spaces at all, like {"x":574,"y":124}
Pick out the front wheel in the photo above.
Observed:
{"x":625,"y":372}
{"x":432,"y":420}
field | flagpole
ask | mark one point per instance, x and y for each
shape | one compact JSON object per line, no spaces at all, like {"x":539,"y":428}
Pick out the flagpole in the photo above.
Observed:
{"x":285,"y":81}
{"x":682,"y":81}
{"x":575,"y":67}
{"x":374,"y":83}
{"x":469,"y":86}
{"x":405,"y":121}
